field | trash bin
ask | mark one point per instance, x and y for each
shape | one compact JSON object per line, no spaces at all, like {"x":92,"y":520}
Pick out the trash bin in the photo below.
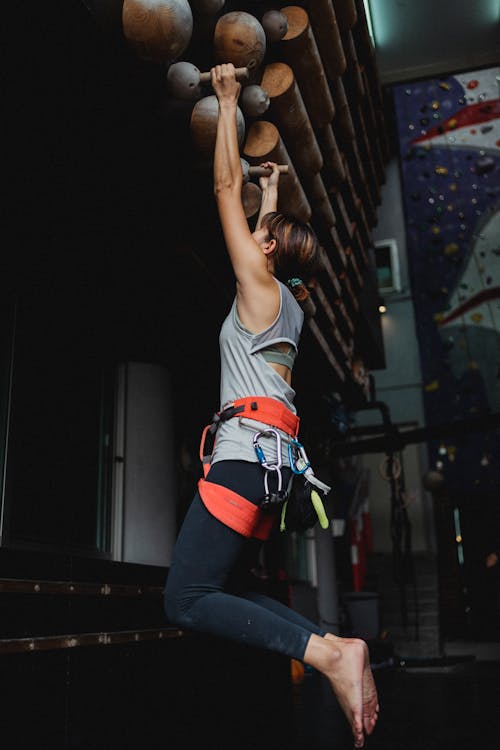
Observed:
{"x":363,"y":614}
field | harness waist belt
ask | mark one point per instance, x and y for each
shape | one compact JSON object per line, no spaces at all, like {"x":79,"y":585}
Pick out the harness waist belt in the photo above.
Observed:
{"x":262,"y":409}
{"x":235,"y":511}
{"x":267,"y":410}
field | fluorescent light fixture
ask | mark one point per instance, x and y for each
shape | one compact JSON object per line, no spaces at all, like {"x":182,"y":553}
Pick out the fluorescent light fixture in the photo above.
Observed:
{"x":368,"y":15}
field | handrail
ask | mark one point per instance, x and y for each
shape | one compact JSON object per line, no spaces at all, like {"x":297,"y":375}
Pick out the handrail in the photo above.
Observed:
{"x":72,"y":640}
{"x":74,"y":588}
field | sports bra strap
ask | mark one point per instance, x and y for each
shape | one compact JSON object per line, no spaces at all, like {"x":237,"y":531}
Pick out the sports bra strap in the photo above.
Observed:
{"x":278,"y":356}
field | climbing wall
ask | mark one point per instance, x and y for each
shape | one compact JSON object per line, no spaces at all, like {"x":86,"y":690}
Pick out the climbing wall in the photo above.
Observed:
{"x":449,"y":140}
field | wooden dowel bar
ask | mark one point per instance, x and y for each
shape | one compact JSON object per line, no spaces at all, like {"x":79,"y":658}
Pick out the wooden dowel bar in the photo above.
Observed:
{"x":369,"y":107}
{"x":288,"y":111}
{"x":327,"y":35}
{"x":354,"y":259}
{"x":332,"y":319}
{"x":264,"y":143}
{"x":78,"y":640}
{"x":376,"y":137}
{"x":339,"y":249}
{"x":339,"y":303}
{"x":360,"y":247}
{"x":300,"y":51}
{"x":331,"y":153}
{"x":359,"y":176}
{"x":327,"y":265}
{"x":258,"y":171}
{"x":373,"y":182}
{"x":353,"y":66}
{"x":344,"y":280}
{"x":364,"y":228}
{"x":344,"y":221}
{"x":347,"y":14}
{"x":318,"y":197}
{"x":344,"y":125}
{"x":326,"y":348}
{"x":240,"y":73}
{"x":349,"y":193}
{"x":354,"y":265}
{"x":355,"y":205}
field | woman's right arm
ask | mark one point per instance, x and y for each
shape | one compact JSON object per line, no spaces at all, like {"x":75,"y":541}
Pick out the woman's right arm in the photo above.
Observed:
{"x":258,"y":296}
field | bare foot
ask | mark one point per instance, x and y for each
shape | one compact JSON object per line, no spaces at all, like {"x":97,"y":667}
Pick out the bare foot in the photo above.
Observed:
{"x":370,"y":698}
{"x":343,"y":664}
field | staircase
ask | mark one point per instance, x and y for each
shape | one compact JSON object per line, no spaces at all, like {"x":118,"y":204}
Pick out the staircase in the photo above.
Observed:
{"x":409,"y":614}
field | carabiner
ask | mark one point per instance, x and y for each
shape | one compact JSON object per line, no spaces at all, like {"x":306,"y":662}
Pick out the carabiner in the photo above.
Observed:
{"x":260,"y":453}
{"x":301,"y":459}
{"x":270,"y":498}
{"x":277,"y":469}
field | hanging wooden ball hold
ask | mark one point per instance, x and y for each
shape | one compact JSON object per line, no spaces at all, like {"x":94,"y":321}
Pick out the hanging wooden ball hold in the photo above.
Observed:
{"x":184,"y":80}
{"x":240,"y":39}
{"x":275,"y":25}
{"x":158,"y":30}
{"x":251,"y":197}
{"x":254,"y":100}
{"x":245,"y":169}
{"x":203,"y":125}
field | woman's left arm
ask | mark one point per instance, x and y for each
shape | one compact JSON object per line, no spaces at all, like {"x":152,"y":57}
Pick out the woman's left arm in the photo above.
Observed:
{"x":247,"y":259}
{"x":269,"y":186}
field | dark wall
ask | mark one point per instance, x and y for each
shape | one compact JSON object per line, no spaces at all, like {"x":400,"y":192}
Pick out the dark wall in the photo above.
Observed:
{"x":135,"y":688}
{"x":106,"y":260}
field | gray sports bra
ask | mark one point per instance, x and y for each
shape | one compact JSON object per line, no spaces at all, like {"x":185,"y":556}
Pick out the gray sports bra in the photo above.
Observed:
{"x":276,"y":355}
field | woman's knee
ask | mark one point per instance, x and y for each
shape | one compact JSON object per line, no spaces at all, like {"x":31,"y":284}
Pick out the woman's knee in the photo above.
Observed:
{"x":171,"y":601}
{"x":178,"y":601}
{"x":176,"y":615}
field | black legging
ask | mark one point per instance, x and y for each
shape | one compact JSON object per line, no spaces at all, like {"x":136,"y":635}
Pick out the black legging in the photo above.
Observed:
{"x":202,"y":590}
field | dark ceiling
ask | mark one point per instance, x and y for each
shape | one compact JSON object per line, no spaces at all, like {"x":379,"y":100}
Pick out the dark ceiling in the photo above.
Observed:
{"x":422,"y":38}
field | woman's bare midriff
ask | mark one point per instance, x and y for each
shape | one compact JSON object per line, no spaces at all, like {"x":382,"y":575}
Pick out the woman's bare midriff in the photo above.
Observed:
{"x":283,"y":371}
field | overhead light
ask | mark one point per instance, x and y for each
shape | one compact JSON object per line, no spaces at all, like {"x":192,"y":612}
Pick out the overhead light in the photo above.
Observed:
{"x":368,"y":15}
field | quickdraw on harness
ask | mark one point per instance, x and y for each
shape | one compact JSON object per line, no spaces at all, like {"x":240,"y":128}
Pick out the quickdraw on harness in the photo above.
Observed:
{"x":274,"y":499}
{"x":236,"y":511}
{"x":305,"y":516}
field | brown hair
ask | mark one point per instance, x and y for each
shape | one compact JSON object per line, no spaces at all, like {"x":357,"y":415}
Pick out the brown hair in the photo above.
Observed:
{"x":297,"y":257}
{"x":297,"y":247}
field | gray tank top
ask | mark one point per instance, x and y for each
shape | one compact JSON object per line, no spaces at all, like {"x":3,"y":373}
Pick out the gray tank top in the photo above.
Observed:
{"x":245,"y":372}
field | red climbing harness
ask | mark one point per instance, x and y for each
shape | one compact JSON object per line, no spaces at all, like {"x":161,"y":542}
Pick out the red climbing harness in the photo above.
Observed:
{"x":236,"y":511}
{"x":260,"y":408}
{"x":227,"y":506}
